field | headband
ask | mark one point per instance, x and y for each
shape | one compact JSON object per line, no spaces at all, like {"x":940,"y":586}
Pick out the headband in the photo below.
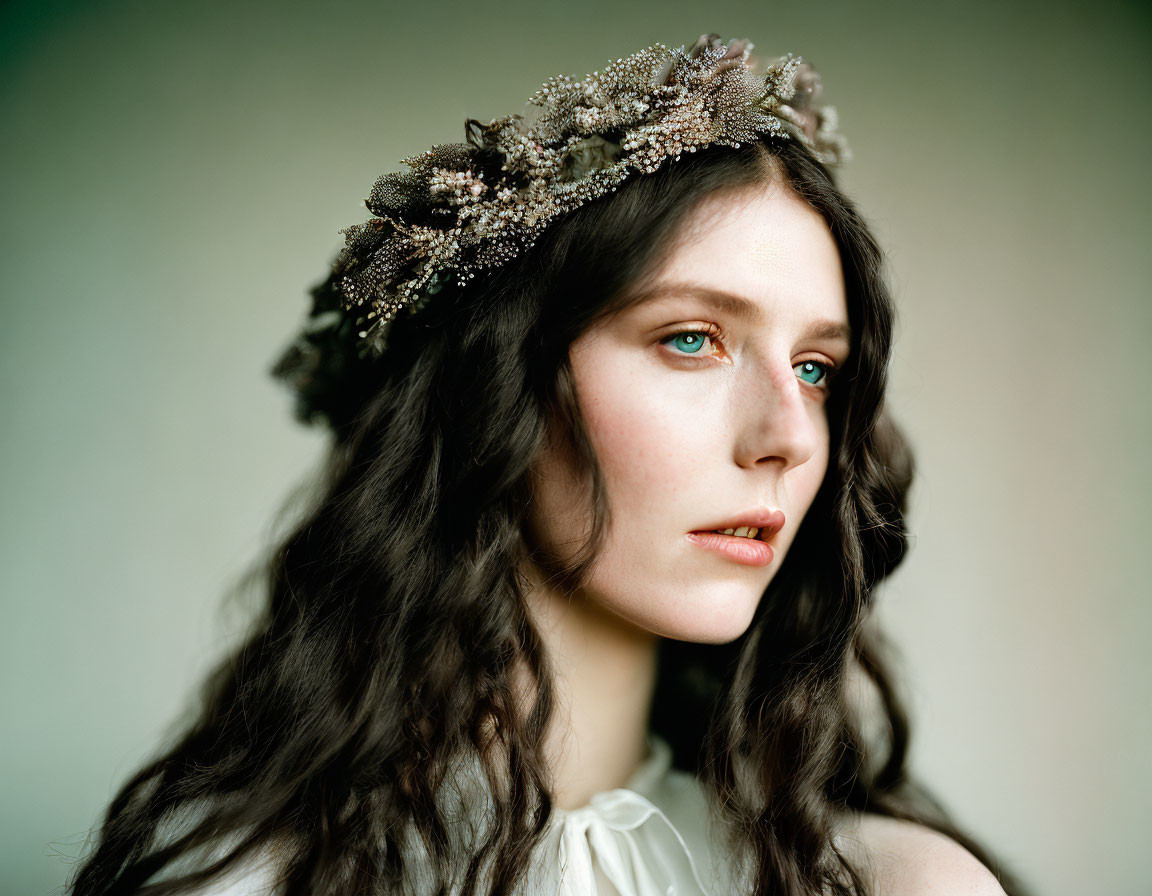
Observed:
{"x":466,"y":208}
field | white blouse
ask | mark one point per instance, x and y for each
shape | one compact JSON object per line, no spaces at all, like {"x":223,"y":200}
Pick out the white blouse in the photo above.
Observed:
{"x":651,"y":837}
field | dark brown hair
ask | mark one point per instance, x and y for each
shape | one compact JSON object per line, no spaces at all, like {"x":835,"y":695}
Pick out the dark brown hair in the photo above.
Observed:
{"x":394,"y":615}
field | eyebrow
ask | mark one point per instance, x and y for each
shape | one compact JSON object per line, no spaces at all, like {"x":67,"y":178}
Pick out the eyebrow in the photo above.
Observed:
{"x":738,"y":306}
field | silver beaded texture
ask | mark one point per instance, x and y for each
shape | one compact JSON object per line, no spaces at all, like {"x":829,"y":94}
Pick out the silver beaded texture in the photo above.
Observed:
{"x":465,"y":208}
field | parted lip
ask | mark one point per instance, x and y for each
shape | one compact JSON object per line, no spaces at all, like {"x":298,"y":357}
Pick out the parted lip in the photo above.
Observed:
{"x":767,"y":519}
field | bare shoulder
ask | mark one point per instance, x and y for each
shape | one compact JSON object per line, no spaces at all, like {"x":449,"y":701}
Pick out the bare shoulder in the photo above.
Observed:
{"x":908,"y":859}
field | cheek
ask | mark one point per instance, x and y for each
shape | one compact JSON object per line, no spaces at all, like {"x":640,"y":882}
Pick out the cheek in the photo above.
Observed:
{"x":656,"y":445}
{"x":641,"y":444}
{"x":649,"y":426}
{"x":816,"y":467}
{"x":635,"y":445}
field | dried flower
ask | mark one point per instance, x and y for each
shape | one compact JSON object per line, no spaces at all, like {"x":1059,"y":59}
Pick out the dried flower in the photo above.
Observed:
{"x":469,"y":207}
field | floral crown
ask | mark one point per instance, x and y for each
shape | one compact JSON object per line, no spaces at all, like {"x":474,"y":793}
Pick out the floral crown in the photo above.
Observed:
{"x":465,"y":208}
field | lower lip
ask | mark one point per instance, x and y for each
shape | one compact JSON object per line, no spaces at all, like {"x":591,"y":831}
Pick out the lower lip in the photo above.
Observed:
{"x":749,"y":551}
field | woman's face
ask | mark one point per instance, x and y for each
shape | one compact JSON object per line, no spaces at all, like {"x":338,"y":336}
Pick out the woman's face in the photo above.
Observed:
{"x":701,"y":414}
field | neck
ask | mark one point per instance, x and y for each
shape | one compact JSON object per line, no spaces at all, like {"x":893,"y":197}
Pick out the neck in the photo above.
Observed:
{"x":605,"y":671}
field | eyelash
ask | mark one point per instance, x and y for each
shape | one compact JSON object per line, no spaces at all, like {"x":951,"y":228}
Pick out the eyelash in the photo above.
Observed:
{"x":714,"y":332}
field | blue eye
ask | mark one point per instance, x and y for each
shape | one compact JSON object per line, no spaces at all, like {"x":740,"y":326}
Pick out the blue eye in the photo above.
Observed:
{"x":690,"y":341}
{"x":823,"y":372}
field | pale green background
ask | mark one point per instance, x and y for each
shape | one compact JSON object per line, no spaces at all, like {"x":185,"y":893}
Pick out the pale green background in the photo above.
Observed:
{"x":175,"y":174}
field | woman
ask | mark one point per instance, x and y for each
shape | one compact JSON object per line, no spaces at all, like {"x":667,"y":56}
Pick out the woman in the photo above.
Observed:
{"x":511,"y":648}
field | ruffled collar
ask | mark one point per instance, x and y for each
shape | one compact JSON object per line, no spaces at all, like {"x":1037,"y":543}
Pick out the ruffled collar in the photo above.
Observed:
{"x":622,"y":838}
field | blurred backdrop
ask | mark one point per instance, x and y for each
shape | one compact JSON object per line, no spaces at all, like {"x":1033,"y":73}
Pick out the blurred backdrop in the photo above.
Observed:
{"x":174,"y":177}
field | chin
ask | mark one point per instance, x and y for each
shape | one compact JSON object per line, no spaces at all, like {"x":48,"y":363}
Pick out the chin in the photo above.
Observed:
{"x":720,"y":632}
{"x":710,"y":622}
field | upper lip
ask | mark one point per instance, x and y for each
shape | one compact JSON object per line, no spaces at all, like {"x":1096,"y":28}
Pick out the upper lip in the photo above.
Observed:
{"x":767,"y":519}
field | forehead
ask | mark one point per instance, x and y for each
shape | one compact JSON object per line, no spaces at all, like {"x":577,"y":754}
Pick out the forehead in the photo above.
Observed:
{"x":764,"y":243}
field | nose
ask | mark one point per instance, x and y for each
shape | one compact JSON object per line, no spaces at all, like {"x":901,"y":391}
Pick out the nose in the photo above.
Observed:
{"x":776,"y":421}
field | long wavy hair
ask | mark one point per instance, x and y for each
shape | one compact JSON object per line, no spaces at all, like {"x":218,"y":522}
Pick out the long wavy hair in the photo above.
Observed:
{"x":394,"y":616}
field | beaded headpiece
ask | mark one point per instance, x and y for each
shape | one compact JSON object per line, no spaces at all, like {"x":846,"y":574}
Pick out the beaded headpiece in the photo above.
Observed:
{"x":466,"y":208}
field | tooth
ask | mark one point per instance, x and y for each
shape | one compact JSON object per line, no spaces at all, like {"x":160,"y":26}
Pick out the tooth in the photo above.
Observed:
{"x":743,"y":531}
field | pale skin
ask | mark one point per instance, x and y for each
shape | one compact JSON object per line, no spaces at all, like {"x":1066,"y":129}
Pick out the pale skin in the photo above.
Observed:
{"x":690,"y":430}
